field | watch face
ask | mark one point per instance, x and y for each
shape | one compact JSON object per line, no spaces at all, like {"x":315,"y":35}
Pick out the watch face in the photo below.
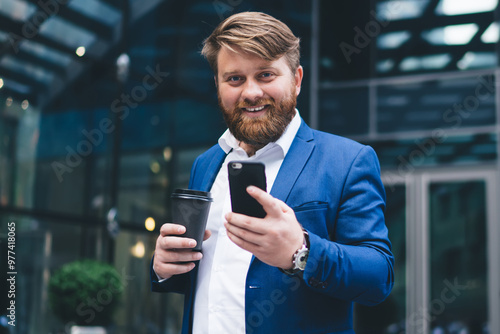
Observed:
{"x":301,"y":259}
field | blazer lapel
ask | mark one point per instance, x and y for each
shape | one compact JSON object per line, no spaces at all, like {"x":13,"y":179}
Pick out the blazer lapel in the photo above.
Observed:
{"x":212,"y":170}
{"x":295,"y":160}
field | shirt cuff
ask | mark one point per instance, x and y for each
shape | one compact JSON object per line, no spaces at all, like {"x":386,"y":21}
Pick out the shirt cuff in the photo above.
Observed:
{"x":158,"y":277}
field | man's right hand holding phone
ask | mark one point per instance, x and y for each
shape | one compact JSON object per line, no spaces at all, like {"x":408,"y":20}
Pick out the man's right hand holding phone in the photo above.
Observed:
{"x":173,"y":253}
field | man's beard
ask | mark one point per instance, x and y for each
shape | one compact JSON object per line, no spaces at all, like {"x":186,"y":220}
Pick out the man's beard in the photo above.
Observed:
{"x":262,"y":130}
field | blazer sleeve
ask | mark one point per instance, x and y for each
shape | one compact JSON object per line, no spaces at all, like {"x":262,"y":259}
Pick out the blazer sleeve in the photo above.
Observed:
{"x":355,"y":262}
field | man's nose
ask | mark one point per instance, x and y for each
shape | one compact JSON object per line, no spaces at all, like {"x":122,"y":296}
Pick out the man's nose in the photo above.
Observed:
{"x":251,"y":91}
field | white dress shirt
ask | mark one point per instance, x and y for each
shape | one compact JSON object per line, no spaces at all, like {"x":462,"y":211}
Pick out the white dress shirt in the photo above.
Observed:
{"x":219,"y":305}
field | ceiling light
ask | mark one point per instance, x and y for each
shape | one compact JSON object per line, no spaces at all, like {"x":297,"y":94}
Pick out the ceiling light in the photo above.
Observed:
{"x":459,"y":34}
{"x":1,"y":83}
{"x":80,"y":51}
{"x":9,"y":101}
{"x":25,"y":104}
{"x":492,"y":34}
{"x":454,"y":7}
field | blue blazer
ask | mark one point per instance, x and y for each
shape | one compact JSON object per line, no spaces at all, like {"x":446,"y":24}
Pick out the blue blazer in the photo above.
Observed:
{"x":333,"y":185}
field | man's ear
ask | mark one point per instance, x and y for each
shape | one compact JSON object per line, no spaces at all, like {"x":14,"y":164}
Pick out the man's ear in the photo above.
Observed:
{"x":215,"y":80}
{"x":299,"y":74}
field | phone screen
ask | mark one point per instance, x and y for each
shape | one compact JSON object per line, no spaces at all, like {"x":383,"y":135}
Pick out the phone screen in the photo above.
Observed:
{"x":241,"y":175}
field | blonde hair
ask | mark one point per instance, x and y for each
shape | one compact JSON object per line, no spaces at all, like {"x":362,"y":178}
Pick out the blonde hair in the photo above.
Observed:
{"x":256,"y":33}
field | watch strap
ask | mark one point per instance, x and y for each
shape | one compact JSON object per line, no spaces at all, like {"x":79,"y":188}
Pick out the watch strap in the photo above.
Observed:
{"x":305,"y":246}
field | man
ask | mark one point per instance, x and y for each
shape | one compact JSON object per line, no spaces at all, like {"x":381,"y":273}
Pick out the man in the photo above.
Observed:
{"x":323,"y":243}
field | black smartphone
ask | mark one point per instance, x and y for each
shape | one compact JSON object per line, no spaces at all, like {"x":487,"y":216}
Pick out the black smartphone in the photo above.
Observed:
{"x":241,"y":175}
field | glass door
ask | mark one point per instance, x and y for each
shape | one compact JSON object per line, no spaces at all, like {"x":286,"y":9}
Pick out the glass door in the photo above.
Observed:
{"x":445,"y":232}
{"x":462,"y":249}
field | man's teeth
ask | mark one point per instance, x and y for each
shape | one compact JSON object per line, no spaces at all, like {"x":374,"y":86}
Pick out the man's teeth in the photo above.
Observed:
{"x":255,"y":109}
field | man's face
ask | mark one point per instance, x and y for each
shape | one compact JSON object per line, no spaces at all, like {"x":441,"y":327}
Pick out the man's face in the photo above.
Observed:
{"x":257,"y":97}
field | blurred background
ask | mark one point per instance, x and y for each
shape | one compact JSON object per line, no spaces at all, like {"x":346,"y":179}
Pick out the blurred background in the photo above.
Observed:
{"x":104,"y":105}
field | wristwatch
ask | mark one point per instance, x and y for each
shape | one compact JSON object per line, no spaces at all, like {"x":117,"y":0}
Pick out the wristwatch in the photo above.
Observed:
{"x":299,"y":259}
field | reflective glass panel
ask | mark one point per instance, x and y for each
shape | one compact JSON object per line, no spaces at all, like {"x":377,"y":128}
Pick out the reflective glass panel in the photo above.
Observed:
{"x":67,"y":33}
{"x":141,"y":310}
{"x":45,"y":52}
{"x":42,"y":246}
{"x":400,"y":10}
{"x":143,"y":187}
{"x":344,"y":111}
{"x":17,"y":10}
{"x":97,"y":10}
{"x":29,"y":69}
{"x":458,"y":264}
{"x":450,"y":103}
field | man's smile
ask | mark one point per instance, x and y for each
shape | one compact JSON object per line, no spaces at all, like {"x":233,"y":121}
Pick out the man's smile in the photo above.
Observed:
{"x":255,"y":111}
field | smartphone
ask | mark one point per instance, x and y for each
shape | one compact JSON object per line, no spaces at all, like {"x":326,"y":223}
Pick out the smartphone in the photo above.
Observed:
{"x":241,"y":175}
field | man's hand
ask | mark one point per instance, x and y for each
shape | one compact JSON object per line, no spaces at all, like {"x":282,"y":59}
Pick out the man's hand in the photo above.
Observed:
{"x":173,"y":254}
{"x":273,"y":239}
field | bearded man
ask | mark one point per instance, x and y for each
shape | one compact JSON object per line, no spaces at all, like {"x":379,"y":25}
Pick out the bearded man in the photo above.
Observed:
{"x":326,"y":202}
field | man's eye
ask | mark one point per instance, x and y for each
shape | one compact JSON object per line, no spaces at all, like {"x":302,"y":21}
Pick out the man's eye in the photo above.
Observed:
{"x":266,"y":75}
{"x":233,"y":79}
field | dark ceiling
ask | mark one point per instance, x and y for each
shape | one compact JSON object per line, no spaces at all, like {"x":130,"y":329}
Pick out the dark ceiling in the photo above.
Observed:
{"x":47,"y":45}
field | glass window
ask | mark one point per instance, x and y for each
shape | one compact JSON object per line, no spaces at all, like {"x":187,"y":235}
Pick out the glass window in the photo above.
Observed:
{"x":67,"y":33}
{"x":400,"y":10}
{"x":29,"y":70}
{"x":98,"y":10}
{"x":449,"y":104}
{"x":344,"y":111}
{"x":42,"y":246}
{"x":144,"y":183}
{"x":458,"y":286}
{"x":448,"y":41}
{"x":45,"y":52}
{"x":409,"y":154}
{"x":17,"y":10}
{"x":143,"y":311}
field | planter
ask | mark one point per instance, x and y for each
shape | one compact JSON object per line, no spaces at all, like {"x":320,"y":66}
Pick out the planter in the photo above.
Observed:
{"x":85,"y":293}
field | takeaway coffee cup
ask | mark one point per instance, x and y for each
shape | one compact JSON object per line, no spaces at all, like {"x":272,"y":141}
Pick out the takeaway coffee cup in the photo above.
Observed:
{"x":190,"y":208}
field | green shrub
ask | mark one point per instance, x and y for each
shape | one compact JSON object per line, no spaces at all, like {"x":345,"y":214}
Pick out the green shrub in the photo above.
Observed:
{"x":85,"y":292}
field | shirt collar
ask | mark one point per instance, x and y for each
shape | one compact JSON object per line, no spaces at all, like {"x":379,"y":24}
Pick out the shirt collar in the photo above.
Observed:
{"x":227,"y":141}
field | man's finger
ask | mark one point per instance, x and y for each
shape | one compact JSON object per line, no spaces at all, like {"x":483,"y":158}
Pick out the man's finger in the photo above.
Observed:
{"x":172,"y":229}
{"x":270,"y":204}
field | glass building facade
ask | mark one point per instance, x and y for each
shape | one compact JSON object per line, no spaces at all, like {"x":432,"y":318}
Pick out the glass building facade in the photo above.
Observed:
{"x":105,"y":104}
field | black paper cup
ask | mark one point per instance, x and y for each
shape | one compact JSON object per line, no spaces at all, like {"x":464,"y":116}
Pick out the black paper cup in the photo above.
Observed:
{"x":190,"y":208}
